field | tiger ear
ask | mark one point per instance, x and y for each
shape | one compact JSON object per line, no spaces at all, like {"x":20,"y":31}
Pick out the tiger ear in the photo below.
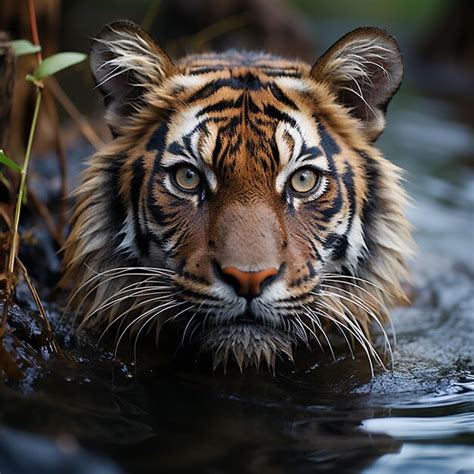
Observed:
{"x":126,"y":62}
{"x":364,"y":69}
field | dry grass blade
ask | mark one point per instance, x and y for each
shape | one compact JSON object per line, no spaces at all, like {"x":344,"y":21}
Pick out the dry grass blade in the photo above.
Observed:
{"x":53,"y":344}
{"x":82,"y":123}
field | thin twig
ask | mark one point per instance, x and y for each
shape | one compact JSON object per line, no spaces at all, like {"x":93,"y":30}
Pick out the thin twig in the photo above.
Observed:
{"x":34,"y":29}
{"x":73,"y":112}
{"x":39,"y":305}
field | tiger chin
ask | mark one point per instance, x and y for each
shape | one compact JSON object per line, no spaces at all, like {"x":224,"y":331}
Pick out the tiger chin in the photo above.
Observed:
{"x":242,"y":200}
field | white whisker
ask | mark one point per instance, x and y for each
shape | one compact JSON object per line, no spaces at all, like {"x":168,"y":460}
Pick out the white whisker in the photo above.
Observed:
{"x":359,"y":302}
{"x":163,"y":308}
{"x":355,"y":331}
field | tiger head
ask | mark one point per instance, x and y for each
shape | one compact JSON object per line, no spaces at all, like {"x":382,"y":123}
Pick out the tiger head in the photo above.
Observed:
{"x":242,"y":199}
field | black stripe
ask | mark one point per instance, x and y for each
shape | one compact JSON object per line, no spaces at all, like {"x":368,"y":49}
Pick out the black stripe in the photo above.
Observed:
{"x":371,"y":206}
{"x":282,"y":73}
{"x":327,"y":142}
{"x":275,"y":152}
{"x":348,"y":180}
{"x":282,"y":97}
{"x":299,"y":281}
{"x":205,"y":70}
{"x":338,"y":245}
{"x":158,"y":139}
{"x":221,"y":106}
{"x":194,"y":294}
{"x":142,"y":240}
{"x":195,"y":278}
{"x":316,"y":253}
{"x":230,"y":126}
{"x":272,"y":111}
{"x":176,"y":149}
{"x":330,"y":148}
{"x":117,"y":209}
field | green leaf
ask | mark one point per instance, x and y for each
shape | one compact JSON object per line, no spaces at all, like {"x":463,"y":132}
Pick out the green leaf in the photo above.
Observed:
{"x":7,"y":162}
{"x":31,"y":78}
{"x":21,"y":47}
{"x":56,"y":63}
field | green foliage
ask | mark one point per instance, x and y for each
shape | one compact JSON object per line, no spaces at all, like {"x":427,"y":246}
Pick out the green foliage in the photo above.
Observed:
{"x":21,"y":47}
{"x":45,"y":68}
{"x":56,"y":63}
{"x":8,"y":162}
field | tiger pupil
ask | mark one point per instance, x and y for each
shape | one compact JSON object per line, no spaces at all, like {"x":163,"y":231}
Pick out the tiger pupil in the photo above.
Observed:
{"x":304,"y":181}
{"x":187,"y":178}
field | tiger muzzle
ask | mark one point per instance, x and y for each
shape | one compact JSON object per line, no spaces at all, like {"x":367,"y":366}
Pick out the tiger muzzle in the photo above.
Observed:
{"x":248,"y":249}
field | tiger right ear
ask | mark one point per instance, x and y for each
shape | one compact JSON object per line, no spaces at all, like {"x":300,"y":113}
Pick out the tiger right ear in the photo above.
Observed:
{"x":364,"y":69}
{"x":126,"y":62}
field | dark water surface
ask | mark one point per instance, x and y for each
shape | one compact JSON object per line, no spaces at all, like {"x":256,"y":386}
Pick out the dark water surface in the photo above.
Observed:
{"x":320,"y":416}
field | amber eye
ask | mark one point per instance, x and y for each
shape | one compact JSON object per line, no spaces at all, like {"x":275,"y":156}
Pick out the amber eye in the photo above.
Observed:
{"x":304,"y":180}
{"x":187,"y":177}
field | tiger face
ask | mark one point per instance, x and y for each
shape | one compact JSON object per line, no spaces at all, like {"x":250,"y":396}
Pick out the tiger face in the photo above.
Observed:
{"x":242,"y":199}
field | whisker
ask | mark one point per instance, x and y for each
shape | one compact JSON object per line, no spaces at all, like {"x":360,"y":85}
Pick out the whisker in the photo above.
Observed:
{"x":136,"y":294}
{"x":150,"y":319}
{"x":352,"y":277}
{"x":141,"y":304}
{"x":121,"y":271}
{"x":316,"y":320}
{"x":340,"y":327}
{"x":144,"y":315}
{"x":129,"y":291}
{"x":354,"y":331}
{"x":354,"y":320}
{"x":359,"y":302}
{"x":189,"y":322}
{"x":121,"y":274}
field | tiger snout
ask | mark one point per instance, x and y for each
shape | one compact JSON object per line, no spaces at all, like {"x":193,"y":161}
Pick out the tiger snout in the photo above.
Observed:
{"x":248,"y":284}
{"x":249,"y":248}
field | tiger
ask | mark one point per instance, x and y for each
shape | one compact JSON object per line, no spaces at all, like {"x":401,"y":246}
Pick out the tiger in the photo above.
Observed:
{"x":242,"y":200}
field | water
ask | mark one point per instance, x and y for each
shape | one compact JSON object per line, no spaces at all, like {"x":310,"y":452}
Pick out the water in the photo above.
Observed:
{"x":320,"y":416}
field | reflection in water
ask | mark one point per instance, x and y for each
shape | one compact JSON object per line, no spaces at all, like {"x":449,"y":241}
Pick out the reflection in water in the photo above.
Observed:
{"x":433,"y":458}
{"x":324,"y":416}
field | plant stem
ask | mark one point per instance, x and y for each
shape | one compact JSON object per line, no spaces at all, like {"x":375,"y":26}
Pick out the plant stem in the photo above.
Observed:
{"x":22,"y":188}
{"x":34,"y":29}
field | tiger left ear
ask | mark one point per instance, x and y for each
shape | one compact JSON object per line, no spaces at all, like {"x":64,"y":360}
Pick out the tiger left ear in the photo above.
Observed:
{"x":364,"y":69}
{"x":126,"y":62}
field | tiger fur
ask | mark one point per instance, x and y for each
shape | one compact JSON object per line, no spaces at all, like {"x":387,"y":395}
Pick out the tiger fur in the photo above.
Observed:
{"x":245,"y":265}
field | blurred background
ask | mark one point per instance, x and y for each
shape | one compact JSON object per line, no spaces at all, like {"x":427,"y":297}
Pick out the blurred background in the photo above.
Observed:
{"x":333,"y":420}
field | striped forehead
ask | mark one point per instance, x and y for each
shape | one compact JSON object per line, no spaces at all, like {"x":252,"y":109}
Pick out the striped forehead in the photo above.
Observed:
{"x":193,"y":134}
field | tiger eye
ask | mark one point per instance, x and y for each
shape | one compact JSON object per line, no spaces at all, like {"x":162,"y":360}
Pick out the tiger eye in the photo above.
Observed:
{"x":304,"y":180}
{"x":187,"y":177}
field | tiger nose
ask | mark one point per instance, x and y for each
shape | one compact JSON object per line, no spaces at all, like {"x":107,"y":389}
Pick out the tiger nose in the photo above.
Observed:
{"x":248,"y":284}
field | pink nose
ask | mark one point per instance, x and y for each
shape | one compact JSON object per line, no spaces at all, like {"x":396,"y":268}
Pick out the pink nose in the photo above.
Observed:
{"x":247,"y":283}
